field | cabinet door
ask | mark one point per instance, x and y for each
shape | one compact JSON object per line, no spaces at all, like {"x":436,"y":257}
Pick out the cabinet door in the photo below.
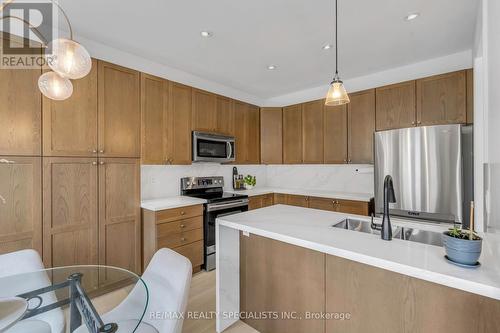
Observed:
{"x":312,"y":132}
{"x":20,"y":203}
{"x":252,"y":129}
{"x":323,"y":204}
{"x":179,"y":114}
{"x":69,"y":211}
{"x":70,"y":126}
{"x":361,"y":120}
{"x":255,"y":202}
{"x":21,"y":111}
{"x":470,"y":96}
{"x":119,"y":213}
{"x":335,"y":133}
{"x":154,"y":104}
{"x":396,"y":106}
{"x":292,"y":134}
{"x":352,"y":207}
{"x":268,"y":200}
{"x":119,"y":111}
{"x":241,"y":133}
{"x":204,"y":112}
{"x":225,"y":115}
{"x":271,"y":135}
{"x":441,"y":99}
{"x":297,"y":200}
{"x":279,"y":199}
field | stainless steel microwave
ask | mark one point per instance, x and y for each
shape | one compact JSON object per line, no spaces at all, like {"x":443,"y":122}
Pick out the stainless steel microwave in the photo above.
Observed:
{"x":208,"y":147}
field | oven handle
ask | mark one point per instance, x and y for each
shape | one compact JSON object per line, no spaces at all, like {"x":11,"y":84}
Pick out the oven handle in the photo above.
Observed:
{"x":232,"y":204}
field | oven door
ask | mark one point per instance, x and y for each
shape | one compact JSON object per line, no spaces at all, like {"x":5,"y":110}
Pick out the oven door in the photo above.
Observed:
{"x":213,"y":148}
{"x":212,"y":212}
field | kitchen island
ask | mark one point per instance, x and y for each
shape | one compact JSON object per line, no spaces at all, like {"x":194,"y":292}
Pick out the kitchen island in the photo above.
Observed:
{"x":290,"y":259}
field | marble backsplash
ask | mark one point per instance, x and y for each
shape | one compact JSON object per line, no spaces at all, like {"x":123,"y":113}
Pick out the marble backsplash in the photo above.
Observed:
{"x":159,"y":181}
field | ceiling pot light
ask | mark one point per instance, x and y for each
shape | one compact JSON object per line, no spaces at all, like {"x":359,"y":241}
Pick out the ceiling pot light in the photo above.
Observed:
{"x":54,"y":86}
{"x":337,"y":94}
{"x":70,"y":59}
{"x":411,"y":16}
{"x":327,"y":46}
{"x":271,"y":67}
{"x":206,"y":34}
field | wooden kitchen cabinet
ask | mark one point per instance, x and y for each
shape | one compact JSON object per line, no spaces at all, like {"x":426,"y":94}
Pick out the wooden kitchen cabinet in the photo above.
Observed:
{"x":260,"y":201}
{"x":179,"y":113}
{"x":271,"y":135}
{"x":247,"y":130}
{"x":204,"y":111}
{"x":20,"y":203}
{"x":155,"y":126}
{"x":441,"y":99}
{"x":292,"y":134}
{"x":335,"y":134}
{"x":119,"y":213}
{"x":119,"y":111}
{"x":70,"y":211}
{"x":70,"y":126}
{"x":180,"y":229}
{"x":323,"y":204}
{"x":340,"y":205}
{"x":312,"y":132}
{"x":396,"y":106}
{"x":225,"y":115}
{"x":361,"y":126}
{"x":470,"y":95}
{"x":279,"y":199}
{"x":21,"y":110}
{"x":297,"y":200}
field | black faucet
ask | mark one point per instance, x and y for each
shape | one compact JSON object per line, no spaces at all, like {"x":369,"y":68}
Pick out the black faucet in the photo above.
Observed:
{"x":386,"y":231}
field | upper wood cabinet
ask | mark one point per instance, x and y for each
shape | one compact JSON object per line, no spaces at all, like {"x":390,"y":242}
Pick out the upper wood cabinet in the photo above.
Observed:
{"x":70,"y":211}
{"x":396,"y":106}
{"x":225,"y":115}
{"x":470,"y":96}
{"x":204,"y":111}
{"x":20,"y":203}
{"x":361,"y":126}
{"x":119,"y":213}
{"x":247,"y":123}
{"x":119,"y":111}
{"x":155,"y":129}
{"x":312,"y":132}
{"x":335,"y":134}
{"x":441,"y":99}
{"x":292,"y":134}
{"x":271,"y":135}
{"x":20,"y":111}
{"x":70,"y":126}
{"x":179,"y":114}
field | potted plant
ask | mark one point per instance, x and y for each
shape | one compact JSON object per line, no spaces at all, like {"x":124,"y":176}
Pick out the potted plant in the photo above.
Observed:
{"x":249,"y":182}
{"x":462,"y":246}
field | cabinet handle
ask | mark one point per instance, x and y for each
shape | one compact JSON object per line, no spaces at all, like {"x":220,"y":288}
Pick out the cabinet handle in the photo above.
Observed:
{"x":183,"y":213}
{"x":183,"y":239}
{"x":182,"y":226}
{"x":94,"y":151}
{"x":413,"y":123}
{"x":349,"y":161}
{"x":2,"y":200}
{"x":94,"y":163}
{"x":101,"y":151}
{"x":4,"y":161}
{"x":419,"y":122}
{"x":101,"y":163}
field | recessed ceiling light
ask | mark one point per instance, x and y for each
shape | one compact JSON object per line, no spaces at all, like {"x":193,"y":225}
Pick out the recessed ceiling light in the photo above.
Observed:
{"x":206,"y":34}
{"x":411,"y":16}
{"x":271,"y":67}
{"x":327,"y":46}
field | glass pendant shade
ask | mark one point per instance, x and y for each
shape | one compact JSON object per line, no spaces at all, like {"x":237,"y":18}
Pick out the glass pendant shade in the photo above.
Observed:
{"x":54,"y":86}
{"x":70,"y":59}
{"x":337,"y":95}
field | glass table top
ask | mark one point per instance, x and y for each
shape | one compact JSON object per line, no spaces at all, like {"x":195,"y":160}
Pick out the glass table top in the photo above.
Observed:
{"x":73,"y":299}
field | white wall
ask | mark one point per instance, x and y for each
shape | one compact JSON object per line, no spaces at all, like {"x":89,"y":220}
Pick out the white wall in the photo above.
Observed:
{"x":159,"y":181}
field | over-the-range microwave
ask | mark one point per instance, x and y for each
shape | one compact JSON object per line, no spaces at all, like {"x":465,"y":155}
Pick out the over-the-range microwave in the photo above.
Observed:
{"x":208,"y":147}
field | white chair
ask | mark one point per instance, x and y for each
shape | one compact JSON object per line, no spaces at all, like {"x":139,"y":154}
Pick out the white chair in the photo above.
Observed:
{"x":26,"y":261}
{"x":168,"y":279}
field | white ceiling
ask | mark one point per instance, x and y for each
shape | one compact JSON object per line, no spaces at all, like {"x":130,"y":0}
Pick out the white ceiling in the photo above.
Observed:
{"x":249,"y":35}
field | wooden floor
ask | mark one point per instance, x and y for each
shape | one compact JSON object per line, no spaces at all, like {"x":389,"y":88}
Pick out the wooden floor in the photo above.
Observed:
{"x":202,"y":300}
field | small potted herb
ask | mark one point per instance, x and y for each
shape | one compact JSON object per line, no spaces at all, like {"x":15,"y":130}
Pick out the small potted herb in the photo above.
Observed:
{"x":462,"y":246}
{"x":249,"y":182}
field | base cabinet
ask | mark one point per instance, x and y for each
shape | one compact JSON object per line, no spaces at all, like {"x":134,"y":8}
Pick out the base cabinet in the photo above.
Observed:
{"x":260,"y":201}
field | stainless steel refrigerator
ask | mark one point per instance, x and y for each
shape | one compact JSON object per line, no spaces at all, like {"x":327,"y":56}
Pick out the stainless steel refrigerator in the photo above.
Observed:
{"x":431,"y":167}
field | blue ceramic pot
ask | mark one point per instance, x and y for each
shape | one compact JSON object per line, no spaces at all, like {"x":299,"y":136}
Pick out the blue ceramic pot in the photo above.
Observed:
{"x":463,"y":251}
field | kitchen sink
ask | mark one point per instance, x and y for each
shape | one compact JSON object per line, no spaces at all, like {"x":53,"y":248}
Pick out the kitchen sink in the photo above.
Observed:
{"x":404,"y":233}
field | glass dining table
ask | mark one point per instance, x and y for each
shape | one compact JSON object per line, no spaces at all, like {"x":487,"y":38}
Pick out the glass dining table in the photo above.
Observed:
{"x":81,"y":299}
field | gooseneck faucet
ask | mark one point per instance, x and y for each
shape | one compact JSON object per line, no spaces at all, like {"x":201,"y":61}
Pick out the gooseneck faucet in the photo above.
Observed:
{"x":386,"y":231}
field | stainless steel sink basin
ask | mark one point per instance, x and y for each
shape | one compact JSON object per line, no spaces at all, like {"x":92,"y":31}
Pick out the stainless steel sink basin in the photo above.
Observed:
{"x":410,"y":234}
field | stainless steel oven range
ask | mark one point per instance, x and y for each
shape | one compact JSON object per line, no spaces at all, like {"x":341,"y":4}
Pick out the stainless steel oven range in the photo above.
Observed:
{"x":219,"y":203}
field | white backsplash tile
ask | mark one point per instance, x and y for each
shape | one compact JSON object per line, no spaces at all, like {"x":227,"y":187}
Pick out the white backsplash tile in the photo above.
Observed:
{"x":159,"y":181}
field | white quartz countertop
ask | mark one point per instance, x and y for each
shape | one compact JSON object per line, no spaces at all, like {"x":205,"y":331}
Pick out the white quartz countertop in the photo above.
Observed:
{"x":311,"y":228}
{"x":171,"y":202}
{"x":312,"y":193}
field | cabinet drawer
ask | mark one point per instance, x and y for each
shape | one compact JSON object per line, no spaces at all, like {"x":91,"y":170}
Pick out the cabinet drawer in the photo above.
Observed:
{"x":175,"y":227}
{"x":182,"y":238}
{"x":323,"y":204}
{"x":178,"y":213}
{"x":193,"y":252}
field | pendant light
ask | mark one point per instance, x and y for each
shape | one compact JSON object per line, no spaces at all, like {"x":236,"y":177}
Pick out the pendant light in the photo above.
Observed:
{"x":337,"y":95}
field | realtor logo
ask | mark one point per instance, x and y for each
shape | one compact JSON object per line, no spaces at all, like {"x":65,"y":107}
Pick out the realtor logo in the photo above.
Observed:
{"x":28,"y":29}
